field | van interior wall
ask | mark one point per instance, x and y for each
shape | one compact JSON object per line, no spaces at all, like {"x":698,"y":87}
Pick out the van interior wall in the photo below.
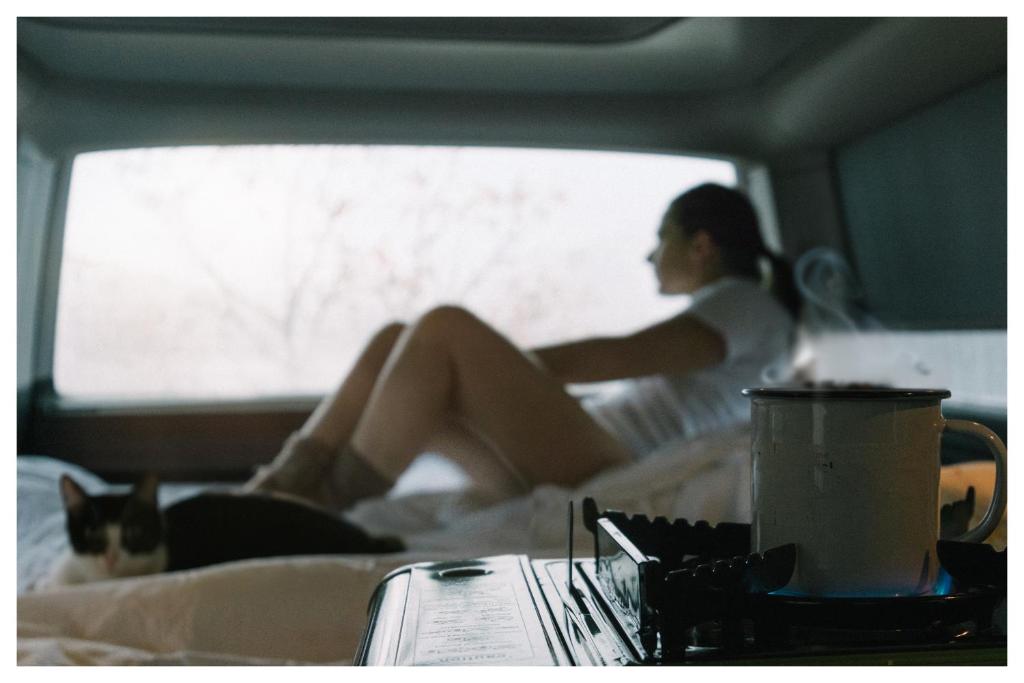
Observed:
{"x":865,"y":76}
{"x":806,"y":203}
{"x":790,"y":123}
{"x":924,"y":202}
{"x":37,"y":180}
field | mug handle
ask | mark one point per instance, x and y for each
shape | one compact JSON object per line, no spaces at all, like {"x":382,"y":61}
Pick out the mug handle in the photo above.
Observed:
{"x":998,"y":449}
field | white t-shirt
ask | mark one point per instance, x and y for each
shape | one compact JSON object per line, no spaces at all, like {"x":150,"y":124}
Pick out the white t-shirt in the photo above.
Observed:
{"x":647,"y":412}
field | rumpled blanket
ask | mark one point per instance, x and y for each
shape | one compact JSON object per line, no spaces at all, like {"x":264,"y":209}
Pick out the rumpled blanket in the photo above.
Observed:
{"x":312,"y":610}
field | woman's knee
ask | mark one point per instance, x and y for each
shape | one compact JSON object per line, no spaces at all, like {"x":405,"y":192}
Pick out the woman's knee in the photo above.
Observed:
{"x":447,"y":321}
{"x":381,"y":343}
{"x":390,"y":332}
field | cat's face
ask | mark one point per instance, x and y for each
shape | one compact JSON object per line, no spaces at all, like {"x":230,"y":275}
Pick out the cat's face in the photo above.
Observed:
{"x":114,"y":534}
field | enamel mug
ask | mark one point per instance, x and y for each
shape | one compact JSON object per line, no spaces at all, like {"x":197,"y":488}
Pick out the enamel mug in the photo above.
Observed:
{"x":851,"y":476}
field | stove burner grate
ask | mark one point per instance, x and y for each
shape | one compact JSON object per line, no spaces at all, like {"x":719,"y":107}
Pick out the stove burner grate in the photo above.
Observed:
{"x":678,"y":590}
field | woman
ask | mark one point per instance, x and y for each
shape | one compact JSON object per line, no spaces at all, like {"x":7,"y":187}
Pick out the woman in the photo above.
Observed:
{"x":451,"y":384}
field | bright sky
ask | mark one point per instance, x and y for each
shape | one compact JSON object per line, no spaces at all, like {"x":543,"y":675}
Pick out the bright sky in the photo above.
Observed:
{"x":261,"y":270}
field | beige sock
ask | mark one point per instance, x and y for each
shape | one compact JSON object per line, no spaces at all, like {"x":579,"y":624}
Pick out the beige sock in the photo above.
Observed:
{"x":309,"y":469}
{"x":298,"y":469}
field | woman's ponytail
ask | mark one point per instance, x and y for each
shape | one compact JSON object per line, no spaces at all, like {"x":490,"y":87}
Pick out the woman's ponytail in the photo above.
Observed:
{"x":783,"y":284}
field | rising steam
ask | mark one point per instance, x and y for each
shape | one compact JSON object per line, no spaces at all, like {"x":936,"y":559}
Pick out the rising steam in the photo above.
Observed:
{"x":838,"y":341}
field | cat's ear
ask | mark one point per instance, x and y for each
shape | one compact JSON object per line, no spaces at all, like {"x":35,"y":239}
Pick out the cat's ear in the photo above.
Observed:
{"x":72,"y":494}
{"x":145,"y":489}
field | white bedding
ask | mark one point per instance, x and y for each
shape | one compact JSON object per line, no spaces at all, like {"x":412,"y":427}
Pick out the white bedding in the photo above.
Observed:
{"x":313,"y":609}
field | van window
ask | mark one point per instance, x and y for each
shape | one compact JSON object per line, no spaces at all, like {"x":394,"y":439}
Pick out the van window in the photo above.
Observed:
{"x":970,"y":363}
{"x":248,"y":271}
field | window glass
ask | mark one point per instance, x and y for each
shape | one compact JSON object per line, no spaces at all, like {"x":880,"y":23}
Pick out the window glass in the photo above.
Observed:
{"x":970,"y":363}
{"x":228,"y":272}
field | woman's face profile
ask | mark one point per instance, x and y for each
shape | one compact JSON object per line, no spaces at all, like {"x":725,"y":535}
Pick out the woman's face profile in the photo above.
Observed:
{"x":672,"y":260}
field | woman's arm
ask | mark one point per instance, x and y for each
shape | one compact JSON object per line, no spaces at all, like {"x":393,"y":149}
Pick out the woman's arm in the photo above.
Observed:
{"x":676,"y":346}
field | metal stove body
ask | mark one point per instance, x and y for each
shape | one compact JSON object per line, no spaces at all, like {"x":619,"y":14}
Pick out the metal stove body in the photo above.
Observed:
{"x":660,"y":592}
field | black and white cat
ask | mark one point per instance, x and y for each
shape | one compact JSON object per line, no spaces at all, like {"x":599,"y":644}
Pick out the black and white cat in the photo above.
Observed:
{"x":120,"y":535}
{"x":110,"y":535}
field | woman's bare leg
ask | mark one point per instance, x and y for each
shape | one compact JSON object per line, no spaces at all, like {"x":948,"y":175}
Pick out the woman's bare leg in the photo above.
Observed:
{"x":450,"y":362}
{"x":303,"y":465}
{"x":335,"y":417}
{"x":484,"y":465}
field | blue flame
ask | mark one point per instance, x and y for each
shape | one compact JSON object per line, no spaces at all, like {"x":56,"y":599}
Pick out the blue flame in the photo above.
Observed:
{"x":943,"y":586}
{"x":944,"y":583}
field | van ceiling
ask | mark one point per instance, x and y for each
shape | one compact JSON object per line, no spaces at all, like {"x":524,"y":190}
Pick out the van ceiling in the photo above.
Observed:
{"x":738,"y":86}
{"x":519,"y":29}
{"x":484,"y":55}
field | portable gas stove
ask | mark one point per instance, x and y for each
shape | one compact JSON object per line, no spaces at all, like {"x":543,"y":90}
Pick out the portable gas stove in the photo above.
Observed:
{"x":660,"y":592}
